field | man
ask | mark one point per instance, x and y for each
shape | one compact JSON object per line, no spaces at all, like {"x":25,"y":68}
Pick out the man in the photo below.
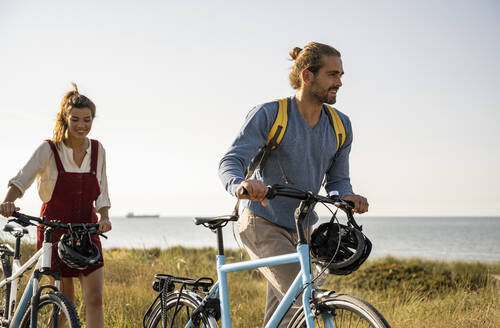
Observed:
{"x":307,"y":152}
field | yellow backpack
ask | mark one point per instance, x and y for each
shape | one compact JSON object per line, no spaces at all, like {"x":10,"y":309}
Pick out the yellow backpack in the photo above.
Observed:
{"x":278,"y":131}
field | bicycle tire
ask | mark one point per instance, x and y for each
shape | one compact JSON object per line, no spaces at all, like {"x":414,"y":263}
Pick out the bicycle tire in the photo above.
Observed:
{"x":187,"y":303}
{"x":5,"y":270}
{"x":4,"y":291}
{"x":48,"y":303}
{"x":349,"y":311}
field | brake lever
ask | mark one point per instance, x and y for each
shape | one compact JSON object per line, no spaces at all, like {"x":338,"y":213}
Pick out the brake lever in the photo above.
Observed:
{"x":94,"y":231}
{"x":102,"y":235}
{"x":350,"y":217}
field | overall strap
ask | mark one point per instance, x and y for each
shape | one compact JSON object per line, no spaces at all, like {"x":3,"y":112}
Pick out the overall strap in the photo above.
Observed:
{"x":60,"y":167}
{"x":94,"y":149}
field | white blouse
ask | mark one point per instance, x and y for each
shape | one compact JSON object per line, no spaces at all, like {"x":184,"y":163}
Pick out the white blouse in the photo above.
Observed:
{"x":42,"y":166}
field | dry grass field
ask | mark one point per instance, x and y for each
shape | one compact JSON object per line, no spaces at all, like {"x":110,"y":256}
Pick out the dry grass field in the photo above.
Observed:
{"x":409,"y":293}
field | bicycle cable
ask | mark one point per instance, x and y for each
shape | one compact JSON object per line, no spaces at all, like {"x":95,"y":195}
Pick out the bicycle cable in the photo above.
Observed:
{"x":334,"y":218}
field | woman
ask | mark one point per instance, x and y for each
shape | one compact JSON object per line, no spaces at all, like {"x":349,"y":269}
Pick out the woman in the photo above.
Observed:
{"x":71,"y":175}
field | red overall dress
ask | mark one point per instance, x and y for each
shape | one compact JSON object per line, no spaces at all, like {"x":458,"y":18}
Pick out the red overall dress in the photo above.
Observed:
{"x":72,"y":202}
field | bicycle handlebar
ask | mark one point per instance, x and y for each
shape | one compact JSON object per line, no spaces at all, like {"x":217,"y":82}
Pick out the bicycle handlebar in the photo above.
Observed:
{"x":296,"y":193}
{"x":292,"y":192}
{"x":26,"y":220}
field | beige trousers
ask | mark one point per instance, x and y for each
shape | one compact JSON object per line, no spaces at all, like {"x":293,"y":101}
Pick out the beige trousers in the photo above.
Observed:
{"x":262,"y":238}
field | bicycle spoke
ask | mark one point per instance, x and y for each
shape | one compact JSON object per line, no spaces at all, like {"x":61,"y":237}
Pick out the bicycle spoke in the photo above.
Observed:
{"x":48,"y":317}
{"x":179,"y":311}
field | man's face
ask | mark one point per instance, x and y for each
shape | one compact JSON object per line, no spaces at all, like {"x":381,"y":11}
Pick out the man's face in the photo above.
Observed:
{"x":327,"y":81}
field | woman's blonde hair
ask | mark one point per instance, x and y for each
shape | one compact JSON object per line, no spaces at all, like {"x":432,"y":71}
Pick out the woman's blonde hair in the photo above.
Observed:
{"x":309,"y":58}
{"x":72,"y":99}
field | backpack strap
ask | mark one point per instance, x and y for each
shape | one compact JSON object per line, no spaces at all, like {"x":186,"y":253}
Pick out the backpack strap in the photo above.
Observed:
{"x":273,"y":140}
{"x":279,"y":126}
{"x":340,"y":133}
{"x":337,"y":125}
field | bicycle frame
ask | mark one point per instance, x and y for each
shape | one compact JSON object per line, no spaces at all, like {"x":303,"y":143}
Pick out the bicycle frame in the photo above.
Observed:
{"x":315,"y":302}
{"x":43,"y":258}
{"x":301,"y":283}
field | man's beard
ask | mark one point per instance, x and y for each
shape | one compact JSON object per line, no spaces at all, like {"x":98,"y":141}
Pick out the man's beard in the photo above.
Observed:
{"x":323,"y":96}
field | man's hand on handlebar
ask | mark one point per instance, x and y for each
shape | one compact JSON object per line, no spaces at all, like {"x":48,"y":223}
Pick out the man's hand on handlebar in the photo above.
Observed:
{"x":256,"y":191}
{"x":360,"y":203}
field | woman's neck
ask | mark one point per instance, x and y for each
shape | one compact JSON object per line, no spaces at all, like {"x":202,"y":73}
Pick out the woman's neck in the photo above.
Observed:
{"x":76,"y":144}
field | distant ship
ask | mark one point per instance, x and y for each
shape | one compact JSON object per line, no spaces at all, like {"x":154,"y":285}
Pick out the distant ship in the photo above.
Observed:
{"x":131,"y":215}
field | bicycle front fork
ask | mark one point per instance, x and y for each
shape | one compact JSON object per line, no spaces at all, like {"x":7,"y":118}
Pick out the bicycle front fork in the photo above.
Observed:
{"x":37,"y":291}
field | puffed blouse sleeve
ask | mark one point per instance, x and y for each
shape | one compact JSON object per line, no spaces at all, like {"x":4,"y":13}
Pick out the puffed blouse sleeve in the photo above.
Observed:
{"x":38,"y":162}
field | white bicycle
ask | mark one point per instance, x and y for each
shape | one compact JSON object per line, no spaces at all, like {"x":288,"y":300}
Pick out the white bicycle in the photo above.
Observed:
{"x":39,"y":306}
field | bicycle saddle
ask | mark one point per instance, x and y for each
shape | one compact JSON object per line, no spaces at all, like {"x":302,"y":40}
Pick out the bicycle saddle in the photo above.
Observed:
{"x":15,"y":230}
{"x":217,"y":220}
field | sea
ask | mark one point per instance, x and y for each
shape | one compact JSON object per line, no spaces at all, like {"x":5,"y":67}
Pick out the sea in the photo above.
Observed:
{"x":439,"y":238}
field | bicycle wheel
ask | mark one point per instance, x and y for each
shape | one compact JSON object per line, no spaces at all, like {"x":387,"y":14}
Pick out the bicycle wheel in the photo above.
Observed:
{"x":4,"y":292}
{"x":345,"y":311}
{"x":177,"y":314}
{"x":53,"y":305}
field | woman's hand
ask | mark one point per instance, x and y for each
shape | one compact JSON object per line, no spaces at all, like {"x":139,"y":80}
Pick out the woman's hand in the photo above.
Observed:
{"x":104,"y":225}
{"x":7,"y":208}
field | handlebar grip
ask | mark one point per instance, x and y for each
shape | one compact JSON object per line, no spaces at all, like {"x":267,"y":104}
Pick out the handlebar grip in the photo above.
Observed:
{"x":271,"y":193}
{"x":92,"y":228}
{"x":23,"y":219}
{"x":350,"y":203}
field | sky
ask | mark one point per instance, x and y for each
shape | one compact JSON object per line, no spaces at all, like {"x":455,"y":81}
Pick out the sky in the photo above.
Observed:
{"x":174,"y":80}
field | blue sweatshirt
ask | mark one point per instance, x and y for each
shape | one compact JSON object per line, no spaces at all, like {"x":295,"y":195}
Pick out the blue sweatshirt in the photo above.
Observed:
{"x":305,"y":155}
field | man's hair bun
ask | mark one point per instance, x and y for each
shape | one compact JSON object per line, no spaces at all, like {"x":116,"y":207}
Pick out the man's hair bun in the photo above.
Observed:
{"x":295,"y":52}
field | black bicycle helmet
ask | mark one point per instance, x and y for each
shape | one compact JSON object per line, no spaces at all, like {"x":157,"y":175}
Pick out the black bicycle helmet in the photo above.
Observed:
{"x":353,"y":250}
{"x":77,"y":250}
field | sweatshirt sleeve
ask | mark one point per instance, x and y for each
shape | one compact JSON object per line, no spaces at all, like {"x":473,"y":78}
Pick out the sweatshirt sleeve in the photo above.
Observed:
{"x":337,"y":176}
{"x":252,"y":136}
{"x":35,"y":165}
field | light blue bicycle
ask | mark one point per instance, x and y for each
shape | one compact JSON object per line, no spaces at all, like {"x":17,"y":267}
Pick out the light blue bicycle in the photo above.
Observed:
{"x":201,"y":303}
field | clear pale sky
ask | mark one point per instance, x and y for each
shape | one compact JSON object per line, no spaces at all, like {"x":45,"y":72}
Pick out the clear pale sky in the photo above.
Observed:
{"x":173,"y":81}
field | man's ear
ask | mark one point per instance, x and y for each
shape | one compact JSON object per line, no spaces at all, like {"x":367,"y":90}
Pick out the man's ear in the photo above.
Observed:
{"x":306,"y":76}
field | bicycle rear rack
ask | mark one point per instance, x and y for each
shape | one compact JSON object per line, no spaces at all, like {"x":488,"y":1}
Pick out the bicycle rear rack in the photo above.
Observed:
{"x":202,"y":284}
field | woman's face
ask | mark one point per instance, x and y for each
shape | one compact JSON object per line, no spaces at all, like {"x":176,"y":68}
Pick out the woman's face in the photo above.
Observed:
{"x":79,"y":123}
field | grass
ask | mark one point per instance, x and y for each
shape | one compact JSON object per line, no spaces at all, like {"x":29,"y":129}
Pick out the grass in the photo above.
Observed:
{"x":409,"y":292}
